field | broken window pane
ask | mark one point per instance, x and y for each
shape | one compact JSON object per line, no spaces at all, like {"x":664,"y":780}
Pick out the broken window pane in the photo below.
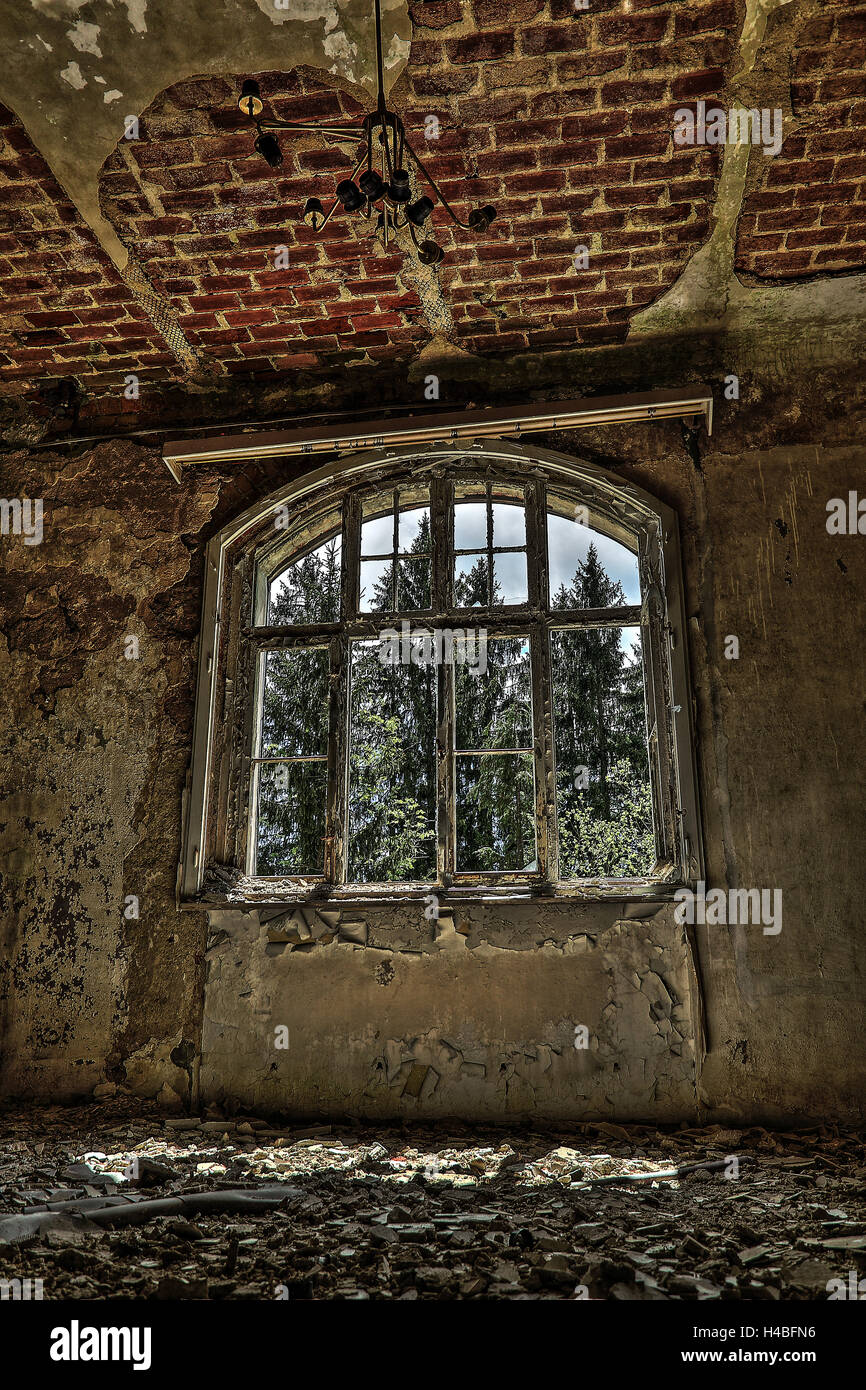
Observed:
{"x":292,"y":802}
{"x":587,"y":568}
{"x":603,"y":796}
{"x":496,"y":813}
{"x":392,"y":768}
{"x":294,"y":703}
{"x":307,"y":590}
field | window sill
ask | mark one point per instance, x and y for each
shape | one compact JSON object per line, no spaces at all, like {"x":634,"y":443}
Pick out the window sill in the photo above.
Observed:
{"x":244,"y":894}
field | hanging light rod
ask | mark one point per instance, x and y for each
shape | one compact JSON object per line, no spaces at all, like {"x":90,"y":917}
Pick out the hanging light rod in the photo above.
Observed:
{"x":434,"y":429}
{"x":384,"y":193}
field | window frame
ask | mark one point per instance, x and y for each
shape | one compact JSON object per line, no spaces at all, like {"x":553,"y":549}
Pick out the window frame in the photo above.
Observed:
{"x":219,"y":824}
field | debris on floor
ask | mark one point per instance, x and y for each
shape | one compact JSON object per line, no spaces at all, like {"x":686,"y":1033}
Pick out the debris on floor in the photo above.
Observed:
{"x":238,"y":1208}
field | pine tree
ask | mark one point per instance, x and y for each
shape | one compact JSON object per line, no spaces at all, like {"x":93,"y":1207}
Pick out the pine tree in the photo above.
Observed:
{"x":605,"y":813}
{"x":605,"y":827}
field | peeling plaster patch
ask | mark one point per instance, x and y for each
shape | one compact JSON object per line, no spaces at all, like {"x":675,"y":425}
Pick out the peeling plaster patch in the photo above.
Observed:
{"x":72,"y":74}
{"x":704,"y":288}
{"x":336,"y":45}
{"x":307,"y":11}
{"x":135,"y":12}
{"x":54,"y":9}
{"x":708,"y":293}
{"x":398,"y":51}
{"x":436,"y":1029}
{"x":84,"y":38}
{"x":49,"y":48}
{"x":113,"y":95}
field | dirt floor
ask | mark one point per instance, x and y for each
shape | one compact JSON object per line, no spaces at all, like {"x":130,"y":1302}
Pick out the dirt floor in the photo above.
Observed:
{"x":412,"y":1213}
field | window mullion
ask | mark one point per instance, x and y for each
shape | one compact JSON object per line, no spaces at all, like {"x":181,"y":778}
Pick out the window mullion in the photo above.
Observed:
{"x":442,"y":533}
{"x":489,"y":505}
{"x":542,"y":682}
{"x":351,"y":547}
{"x":336,"y":824}
{"x":338,"y":722}
{"x":657,"y":695}
{"x":395,"y":547}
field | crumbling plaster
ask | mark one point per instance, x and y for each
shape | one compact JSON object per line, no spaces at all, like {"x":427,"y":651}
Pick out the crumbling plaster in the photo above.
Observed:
{"x":76,"y":68}
{"x":141,"y":47}
{"x":480,"y":1014}
{"x":90,"y":809}
{"x":99,"y":751}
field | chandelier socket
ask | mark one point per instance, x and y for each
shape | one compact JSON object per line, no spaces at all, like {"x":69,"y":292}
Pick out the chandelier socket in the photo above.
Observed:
{"x":372,"y":185}
{"x":480,"y":218}
{"x":420,"y":210}
{"x":430,"y":253}
{"x":314,"y":213}
{"x":399,"y":188}
{"x":250,"y":101}
{"x":268,"y":147}
{"x":350,"y":195}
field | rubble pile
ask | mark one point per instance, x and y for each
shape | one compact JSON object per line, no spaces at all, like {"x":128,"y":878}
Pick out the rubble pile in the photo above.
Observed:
{"x":347,"y":1211}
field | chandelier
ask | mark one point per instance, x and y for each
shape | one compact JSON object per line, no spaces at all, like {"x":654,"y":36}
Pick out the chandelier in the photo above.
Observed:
{"x":383,"y":191}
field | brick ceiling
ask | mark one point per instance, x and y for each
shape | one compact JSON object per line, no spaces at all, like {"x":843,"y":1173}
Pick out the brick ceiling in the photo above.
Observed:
{"x":807,"y":214}
{"x":562,"y":120}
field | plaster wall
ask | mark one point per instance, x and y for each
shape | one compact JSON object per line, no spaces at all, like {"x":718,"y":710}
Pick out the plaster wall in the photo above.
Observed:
{"x":384,"y":1017}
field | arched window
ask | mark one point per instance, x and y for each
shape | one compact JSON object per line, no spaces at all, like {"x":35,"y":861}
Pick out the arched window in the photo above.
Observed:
{"x":457,"y":670}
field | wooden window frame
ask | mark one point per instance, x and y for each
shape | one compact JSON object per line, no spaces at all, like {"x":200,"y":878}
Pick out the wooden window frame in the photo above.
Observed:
{"x":220,"y":812}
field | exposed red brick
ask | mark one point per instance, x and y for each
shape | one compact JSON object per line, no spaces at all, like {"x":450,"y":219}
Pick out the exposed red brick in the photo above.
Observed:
{"x":481,"y":48}
{"x":553,"y":38}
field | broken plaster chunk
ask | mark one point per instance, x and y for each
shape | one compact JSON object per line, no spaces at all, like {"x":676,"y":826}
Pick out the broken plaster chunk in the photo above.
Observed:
{"x":446,"y":935}
{"x":354,"y":931}
{"x":654,"y":988}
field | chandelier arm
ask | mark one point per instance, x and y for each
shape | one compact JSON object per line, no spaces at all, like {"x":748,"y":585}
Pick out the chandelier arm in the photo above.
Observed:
{"x":342,"y":131}
{"x":438,"y":191}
